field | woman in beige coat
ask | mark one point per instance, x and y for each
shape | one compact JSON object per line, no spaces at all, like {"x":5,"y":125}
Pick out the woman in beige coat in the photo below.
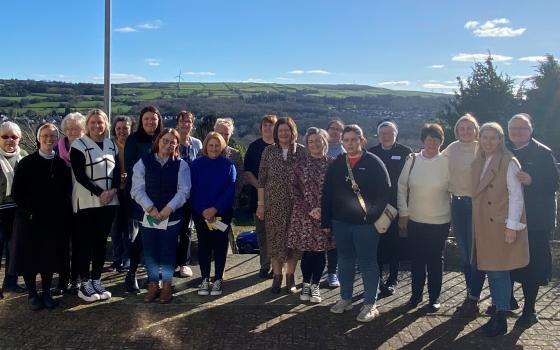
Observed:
{"x":500,"y":232}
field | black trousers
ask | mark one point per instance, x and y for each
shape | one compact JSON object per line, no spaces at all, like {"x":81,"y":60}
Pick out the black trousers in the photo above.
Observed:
{"x":388,"y":253}
{"x":184,"y":244}
{"x":209,"y":242}
{"x":312,"y":266}
{"x":31,"y":283}
{"x":6,"y":225}
{"x":70,"y":260}
{"x":429,"y":243}
{"x":94,"y":225}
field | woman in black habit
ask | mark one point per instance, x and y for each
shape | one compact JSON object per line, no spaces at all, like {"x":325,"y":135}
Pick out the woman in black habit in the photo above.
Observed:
{"x":41,"y":189}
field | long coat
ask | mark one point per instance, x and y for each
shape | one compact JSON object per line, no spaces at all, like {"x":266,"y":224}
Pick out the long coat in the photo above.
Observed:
{"x":537,"y":160}
{"x":41,"y":190}
{"x":490,"y":211}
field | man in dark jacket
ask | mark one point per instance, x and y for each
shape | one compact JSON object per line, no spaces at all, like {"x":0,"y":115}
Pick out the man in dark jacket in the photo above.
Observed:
{"x":539,"y":177}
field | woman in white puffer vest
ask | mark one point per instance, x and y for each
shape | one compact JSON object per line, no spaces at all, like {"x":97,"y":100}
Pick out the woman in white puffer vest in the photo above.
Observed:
{"x":96,"y":177}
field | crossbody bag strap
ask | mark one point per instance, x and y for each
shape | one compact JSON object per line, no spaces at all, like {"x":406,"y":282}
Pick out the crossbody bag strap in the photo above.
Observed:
{"x":355,"y":188}
{"x":413,"y":155}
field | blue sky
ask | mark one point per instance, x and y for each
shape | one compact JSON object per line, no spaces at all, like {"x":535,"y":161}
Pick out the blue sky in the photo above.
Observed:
{"x":413,"y":45}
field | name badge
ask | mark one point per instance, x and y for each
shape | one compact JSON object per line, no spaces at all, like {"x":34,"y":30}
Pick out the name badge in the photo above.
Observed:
{"x":396,"y":157}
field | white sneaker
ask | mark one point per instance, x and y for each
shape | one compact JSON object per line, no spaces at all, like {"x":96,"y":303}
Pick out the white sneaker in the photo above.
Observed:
{"x":305,"y":292}
{"x":368,"y":313}
{"x":104,"y":294}
{"x":216,"y":288}
{"x":315,"y":294}
{"x":87,"y":293}
{"x":204,"y":287}
{"x":185,"y":271}
{"x":341,"y":306}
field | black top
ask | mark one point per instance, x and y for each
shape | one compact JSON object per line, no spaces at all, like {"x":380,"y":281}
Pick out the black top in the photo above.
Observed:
{"x":394,"y":159}
{"x":339,"y":202}
{"x":252,"y":163}
{"x":538,"y":161}
{"x":79,"y":169}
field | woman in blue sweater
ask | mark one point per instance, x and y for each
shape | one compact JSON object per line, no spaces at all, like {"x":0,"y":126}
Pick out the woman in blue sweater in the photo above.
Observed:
{"x":213,"y":190}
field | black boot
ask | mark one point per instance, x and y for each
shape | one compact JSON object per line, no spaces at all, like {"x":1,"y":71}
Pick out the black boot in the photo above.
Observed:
{"x":48,"y":301}
{"x":496,"y":326}
{"x":527,"y":319}
{"x":35,"y":302}
{"x":131,"y":283}
{"x":1,"y":293}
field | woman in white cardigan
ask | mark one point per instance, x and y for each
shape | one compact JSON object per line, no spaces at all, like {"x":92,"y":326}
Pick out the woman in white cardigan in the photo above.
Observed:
{"x":96,"y":176}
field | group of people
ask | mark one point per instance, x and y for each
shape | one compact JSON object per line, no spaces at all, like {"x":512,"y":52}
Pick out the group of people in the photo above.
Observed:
{"x":317,"y":202}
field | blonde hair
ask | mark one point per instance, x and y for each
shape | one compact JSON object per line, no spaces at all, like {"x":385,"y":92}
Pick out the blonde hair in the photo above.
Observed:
{"x":213,"y":135}
{"x":99,"y":112}
{"x":323,"y":136}
{"x":470,"y":118}
{"x":499,"y":131}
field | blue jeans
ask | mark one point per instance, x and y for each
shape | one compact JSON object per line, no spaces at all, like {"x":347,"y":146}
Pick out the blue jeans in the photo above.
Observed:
{"x":500,"y":289}
{"x":461,"y":214}
{"x":357,"y":242}
{"x":160,"y":247}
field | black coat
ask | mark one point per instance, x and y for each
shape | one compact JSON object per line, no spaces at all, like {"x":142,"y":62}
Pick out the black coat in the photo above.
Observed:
{"x":538,"y":161}
{"x":338,"y":200}
{"x":42,"y":191}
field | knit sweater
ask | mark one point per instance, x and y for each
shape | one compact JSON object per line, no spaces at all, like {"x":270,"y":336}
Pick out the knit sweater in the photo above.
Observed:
{"x":428,"y":201}
{"x":213,"y":184}
{"x":461,"y":155}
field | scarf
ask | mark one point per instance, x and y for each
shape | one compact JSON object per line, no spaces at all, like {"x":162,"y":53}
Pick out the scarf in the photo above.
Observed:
{"x":62,"y":151}
{"x":7,"y":167}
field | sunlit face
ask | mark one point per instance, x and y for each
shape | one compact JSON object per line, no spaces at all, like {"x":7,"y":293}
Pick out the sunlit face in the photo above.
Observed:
{"x":335,"y":132}
{"x":284,"y":134}
{"x":122,"y":130}
{"x":224,"y":131}
{"x":96,"y":126}
{"x":213,"y":148}
{"x":267,"y":130}
{"x":352,"y":142}
{"x":519,"y":132}
{"x":9,"y":141}
{"x":489,"y":141}
{"x":315,"y":145}
{"x":466,"y":131}
{"x":185,"y":124}
{"x":73,"y":130}
{"x":48,"y":138}
{"x":431,"y":145}
{"x":150,"y":122}
{"x":167,"y":144}
{"x":387,"y":136}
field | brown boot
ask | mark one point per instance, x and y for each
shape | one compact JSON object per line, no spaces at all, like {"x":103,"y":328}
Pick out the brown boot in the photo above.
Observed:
{"x":166,"y":293}
{"x":276,"y":284}
{"x":153,"y":291}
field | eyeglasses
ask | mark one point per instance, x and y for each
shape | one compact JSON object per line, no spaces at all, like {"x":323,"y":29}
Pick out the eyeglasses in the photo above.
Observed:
{"x":523,"y":128}
{"x":167,"y":142}
{"x":9,"y":137}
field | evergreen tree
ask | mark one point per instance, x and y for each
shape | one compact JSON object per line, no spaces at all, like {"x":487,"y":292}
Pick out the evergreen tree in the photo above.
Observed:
{"x":543,"y":103}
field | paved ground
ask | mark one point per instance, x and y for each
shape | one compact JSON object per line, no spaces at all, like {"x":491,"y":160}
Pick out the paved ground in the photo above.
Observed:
{"x":247,"y":316}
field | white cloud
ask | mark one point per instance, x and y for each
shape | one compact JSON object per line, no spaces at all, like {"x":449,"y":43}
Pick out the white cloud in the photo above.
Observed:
{"x":494,"y":28}
{"x":200,"y":73}
{"x":125,"y":30}
{"x":152,"y":62}
{"x":469,"y":57}
{"x":317,"y":71}
{"x":395,"y":83}
{"x":521,"y":77}
{"x":437,"y":86}
{"x":122,"y":78}
{"x":311,"y":71}
{"x":150,"y":25}
{"x":436,"y":66}
{"x":533,"y":59}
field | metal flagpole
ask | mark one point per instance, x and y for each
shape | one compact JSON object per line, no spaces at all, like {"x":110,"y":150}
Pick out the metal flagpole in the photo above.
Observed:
{"x":107,"y":71}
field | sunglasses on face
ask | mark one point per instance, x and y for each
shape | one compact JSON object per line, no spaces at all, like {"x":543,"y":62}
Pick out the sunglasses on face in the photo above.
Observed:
{"x":9,"y":137}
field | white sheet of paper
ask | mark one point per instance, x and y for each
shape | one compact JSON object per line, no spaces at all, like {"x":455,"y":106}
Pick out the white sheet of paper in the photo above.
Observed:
{"x":161,"y":226}
{"x":219,"y":225}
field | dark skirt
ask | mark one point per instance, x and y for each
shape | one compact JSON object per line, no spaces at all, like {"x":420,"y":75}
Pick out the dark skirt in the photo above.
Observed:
{"x":38,"y":245}
{"x":539,"y":270}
